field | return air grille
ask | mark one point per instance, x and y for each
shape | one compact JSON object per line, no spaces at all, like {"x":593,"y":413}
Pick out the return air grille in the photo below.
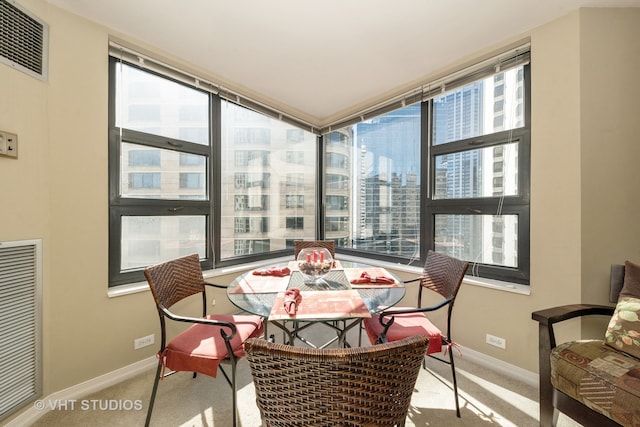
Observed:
{"x":20,"y":324}
{"x":24,"y":40}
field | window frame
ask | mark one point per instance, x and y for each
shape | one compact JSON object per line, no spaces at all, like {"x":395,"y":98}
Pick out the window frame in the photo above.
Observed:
{"x":517,"y":205}
{"x":211,"y":206}
{"x":122,"y":206}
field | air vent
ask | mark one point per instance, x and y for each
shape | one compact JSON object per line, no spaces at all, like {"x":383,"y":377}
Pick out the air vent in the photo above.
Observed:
{"x":20,"y":324}
{"x":24,"y":40}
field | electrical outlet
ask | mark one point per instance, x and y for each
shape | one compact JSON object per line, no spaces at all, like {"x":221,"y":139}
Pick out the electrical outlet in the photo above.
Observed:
{"x":143,"y":342}
{"x":8,"y":144}
{"x":496,"y":341}
{"x":213,"y":302}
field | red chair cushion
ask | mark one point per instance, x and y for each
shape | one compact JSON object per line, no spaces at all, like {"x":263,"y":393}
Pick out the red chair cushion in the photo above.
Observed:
{"x":200,"y":348}
{"x":406,"y":325}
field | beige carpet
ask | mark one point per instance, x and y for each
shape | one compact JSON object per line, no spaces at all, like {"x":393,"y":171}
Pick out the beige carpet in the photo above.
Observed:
{"x":486,"y":399}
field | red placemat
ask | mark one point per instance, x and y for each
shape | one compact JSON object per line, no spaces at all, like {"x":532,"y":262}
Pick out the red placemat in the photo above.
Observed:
{"x":322,"y":305}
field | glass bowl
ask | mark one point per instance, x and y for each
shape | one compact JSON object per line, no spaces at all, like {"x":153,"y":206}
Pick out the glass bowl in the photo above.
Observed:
{"x":314,"y":263}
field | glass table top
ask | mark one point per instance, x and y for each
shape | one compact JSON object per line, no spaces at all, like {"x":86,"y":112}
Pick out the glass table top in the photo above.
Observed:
{"x":260,"y":299}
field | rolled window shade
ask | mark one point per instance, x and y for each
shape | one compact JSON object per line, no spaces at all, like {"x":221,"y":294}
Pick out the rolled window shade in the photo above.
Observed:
{"x":488,"y":68}
{"x":511,"y":58}
{"x":130,"y":56}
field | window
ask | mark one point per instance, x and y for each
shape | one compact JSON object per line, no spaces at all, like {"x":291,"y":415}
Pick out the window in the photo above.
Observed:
{"x":478,"y":209}
{"x":294,"y":201}
{"x":251,"y":225}
{"x":251,"y":246}
{"x":473,"y":141}
{"x":372,"y":185}
{"x":144,"y":180}
{"x":265,"y":164}
{"x":144,"y":157}
{"x":295,"y":157}
{"x":295,"y":223}
{"x":159,"y":198}
{"x":447,"y":169}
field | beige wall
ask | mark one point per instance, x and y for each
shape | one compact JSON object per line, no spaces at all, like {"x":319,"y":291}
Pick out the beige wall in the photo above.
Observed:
{"x":584,"y":182}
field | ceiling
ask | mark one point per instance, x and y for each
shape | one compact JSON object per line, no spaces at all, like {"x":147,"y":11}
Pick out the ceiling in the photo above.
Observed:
{"x":320,"y":60}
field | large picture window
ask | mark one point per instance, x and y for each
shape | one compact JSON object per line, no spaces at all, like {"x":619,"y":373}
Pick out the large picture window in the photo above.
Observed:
{"x":195,"y":170}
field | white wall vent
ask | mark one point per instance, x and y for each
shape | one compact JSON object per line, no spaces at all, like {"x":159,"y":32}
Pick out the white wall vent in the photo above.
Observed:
{"x":20,"y":324}
{"x":24,"y":40}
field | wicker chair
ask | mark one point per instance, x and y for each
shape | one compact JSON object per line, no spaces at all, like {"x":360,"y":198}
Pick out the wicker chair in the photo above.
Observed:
{"x":299,"y":245}
{"x":442,"y":274}
{"x":210,"y":340}
{"x":361,"y":386}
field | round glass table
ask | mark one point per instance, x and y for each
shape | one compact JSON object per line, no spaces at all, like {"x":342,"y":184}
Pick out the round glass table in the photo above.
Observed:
{"x":340,"y":300}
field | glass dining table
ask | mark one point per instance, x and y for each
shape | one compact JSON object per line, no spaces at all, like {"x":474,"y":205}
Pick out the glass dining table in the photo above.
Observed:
{"x":339,"y":300}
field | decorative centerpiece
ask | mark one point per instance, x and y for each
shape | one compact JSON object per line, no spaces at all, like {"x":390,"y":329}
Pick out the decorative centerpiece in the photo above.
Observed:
{"x":314,"y":263}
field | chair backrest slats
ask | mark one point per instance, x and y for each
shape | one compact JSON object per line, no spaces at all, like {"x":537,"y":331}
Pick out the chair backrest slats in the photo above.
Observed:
{"x":175,"y":280}
{"x":336,"y":386}
{"x":443,"y":274}
{"x":299,"y":245}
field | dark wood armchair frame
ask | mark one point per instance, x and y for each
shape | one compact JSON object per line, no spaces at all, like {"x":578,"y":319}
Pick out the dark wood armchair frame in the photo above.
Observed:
{"x":550,"y":398}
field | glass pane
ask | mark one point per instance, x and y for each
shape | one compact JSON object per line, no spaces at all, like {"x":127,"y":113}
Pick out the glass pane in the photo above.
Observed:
{"x":154,"y":173}
{"x":372,"y":184}
{"x":268,"y":183}
{"x":148,"y":240}
{"x":484,"y":239}
{"x":486,"y":172}
{"x":152,"y":104}
{"x":480,"y":108}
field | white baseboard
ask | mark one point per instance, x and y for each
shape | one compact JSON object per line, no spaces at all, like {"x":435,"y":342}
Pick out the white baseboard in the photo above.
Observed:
{"x":500,"y":366}
{"x":83,"y":389}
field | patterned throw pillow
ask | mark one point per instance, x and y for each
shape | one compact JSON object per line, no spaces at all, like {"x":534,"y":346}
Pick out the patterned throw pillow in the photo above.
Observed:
{"x":623,"y":332}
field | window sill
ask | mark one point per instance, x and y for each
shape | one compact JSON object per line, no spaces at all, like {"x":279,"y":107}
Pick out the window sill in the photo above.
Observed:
{"x":515,"y":288}
{"x":133,"y":288}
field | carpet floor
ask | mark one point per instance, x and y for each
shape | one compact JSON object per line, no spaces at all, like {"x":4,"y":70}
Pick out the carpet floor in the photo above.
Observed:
{"x":487,"y":398}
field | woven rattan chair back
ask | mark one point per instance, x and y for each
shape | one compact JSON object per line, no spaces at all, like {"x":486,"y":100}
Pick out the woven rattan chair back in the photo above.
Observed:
{"x":175,"y":280}
{"x":443,"y":274}
{"x":360,"y":386}
{"x":299,"y":245}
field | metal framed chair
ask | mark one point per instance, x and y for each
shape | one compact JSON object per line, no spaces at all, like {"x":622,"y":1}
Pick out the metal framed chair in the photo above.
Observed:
{"x":441,"y":274}
{"x":210,"y":340}
{"x":360,"y":386}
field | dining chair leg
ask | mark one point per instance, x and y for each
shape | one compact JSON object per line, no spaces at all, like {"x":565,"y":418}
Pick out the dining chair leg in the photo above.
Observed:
{"x":234,"y":392}
{"x":455,"y":382}
{"x":153,"y":394}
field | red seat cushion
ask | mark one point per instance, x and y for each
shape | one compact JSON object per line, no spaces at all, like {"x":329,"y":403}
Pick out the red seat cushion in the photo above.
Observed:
{"x":200,"y":348}
{"x":406,"y":325}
